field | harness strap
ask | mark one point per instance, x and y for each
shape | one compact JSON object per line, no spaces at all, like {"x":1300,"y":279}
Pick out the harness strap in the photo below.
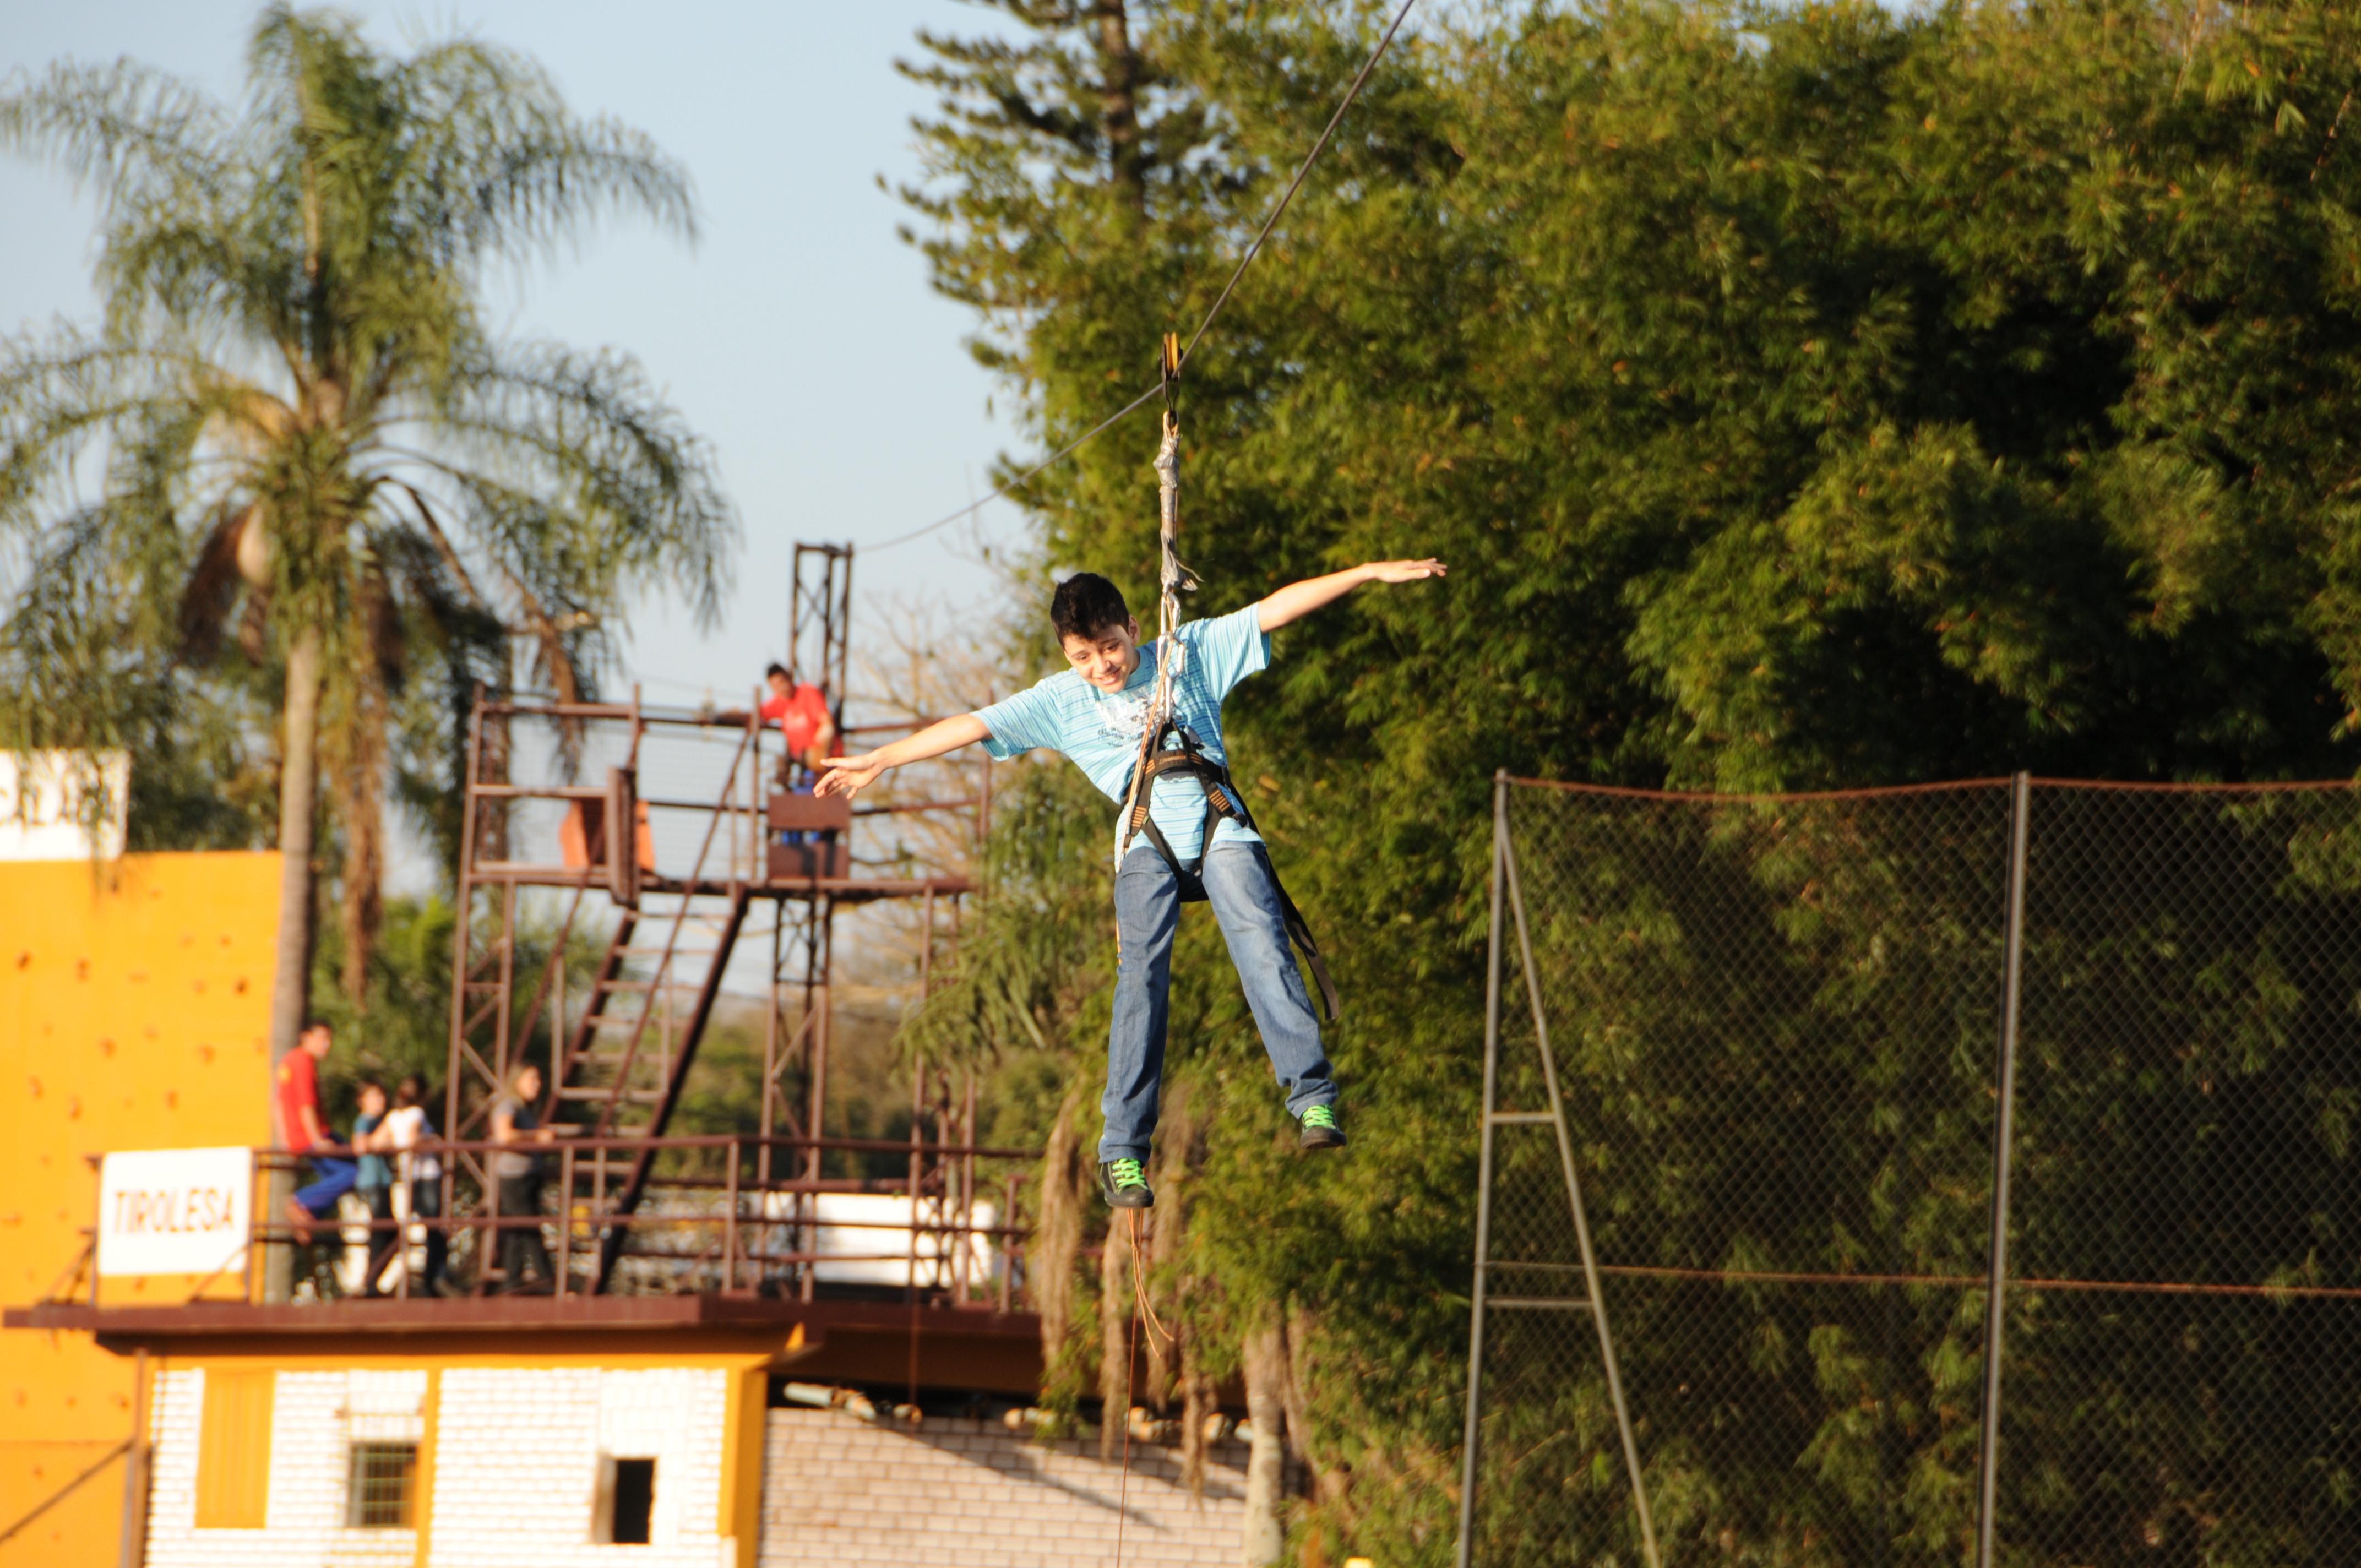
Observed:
{"x":1223,"y":799}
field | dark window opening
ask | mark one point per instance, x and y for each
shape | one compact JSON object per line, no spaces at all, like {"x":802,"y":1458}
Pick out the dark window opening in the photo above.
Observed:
{"x":632,"y":1501}
{"x":380,"y":1480}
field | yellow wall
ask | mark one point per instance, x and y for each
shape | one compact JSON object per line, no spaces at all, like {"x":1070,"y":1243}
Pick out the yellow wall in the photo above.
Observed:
{"x":134,"y":1013}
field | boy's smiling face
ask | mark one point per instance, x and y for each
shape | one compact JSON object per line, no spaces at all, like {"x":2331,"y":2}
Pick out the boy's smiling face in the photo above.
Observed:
{"x":1107,"y":657}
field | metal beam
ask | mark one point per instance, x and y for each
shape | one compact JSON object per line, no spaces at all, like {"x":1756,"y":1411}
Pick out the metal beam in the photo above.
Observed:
{"x":618,"y":1218}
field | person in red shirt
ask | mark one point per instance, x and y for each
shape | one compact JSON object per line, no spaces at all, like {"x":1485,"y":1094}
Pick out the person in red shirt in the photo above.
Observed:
{"x":303,"y":1131}
{"x":800,"y":710}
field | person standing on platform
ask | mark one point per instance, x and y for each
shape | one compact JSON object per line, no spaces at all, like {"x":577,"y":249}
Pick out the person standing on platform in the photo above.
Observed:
{"x":516,"y":1126}
{"x":800,"y":710}
{"x":304,"y":1131}
{"x":406,"y":1126}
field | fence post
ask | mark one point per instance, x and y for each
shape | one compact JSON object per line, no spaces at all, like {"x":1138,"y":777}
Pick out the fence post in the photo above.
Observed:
{"x":2004,"y":1127}
{"x":1483,"y":1182}
{"x":1574,"y":1203}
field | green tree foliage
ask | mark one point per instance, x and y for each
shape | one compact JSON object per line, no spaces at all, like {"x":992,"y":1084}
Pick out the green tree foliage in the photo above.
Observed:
{"x":305,"y":438}
{"x":1802,"y":396}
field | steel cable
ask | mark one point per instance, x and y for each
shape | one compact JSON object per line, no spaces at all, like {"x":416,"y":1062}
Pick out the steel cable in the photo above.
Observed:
{"x":1303,"y":172}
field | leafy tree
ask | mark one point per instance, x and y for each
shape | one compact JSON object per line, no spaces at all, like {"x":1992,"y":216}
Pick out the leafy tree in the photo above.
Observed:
{"x":1802,"y":397}
{"x":303,"y":430}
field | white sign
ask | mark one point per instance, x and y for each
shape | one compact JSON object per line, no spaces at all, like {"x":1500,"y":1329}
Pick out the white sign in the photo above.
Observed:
{"x":174,"y":1211}
{"x":62,"y":806}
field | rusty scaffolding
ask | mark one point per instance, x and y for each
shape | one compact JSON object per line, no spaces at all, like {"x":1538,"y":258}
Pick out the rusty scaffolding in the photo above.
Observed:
{"x":662,"y":836}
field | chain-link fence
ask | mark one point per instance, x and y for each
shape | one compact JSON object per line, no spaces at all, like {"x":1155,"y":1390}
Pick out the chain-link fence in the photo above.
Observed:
{"x":1764,"y":1050}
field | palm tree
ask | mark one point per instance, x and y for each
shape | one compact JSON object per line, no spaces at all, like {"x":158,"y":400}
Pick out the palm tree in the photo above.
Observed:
{"x":298,"y":426}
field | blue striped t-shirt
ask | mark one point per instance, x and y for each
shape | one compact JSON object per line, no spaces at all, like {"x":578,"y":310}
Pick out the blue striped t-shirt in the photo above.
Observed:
{"x":1100,"y":730}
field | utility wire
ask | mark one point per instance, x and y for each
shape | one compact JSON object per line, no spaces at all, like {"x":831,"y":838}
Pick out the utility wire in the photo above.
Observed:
{"x":1049,"y":462}
{"x":1252,"y":250}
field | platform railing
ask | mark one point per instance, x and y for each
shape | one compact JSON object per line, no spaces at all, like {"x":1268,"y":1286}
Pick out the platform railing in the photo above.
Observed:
{"x":709,"y":1223}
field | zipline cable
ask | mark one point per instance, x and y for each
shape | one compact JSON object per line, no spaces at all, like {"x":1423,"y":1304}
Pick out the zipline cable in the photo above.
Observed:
{"x":1296,"y":183}
{"x":1052,"y":461}
{"x":1302,"y":172}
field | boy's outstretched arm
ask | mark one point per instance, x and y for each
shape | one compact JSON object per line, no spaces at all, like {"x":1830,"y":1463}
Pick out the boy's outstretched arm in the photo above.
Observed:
{"x":1297,"y":601}
{"x":846,"y":775}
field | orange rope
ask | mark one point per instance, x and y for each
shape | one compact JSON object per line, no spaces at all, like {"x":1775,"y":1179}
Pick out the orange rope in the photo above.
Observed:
{"x":1123,"y":1488}
{"x":1147,"y":1310}
{"x":1156,"y":1329}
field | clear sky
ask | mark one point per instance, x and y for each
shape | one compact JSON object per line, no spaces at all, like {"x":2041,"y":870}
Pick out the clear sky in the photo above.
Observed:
{"x":799,"y":336}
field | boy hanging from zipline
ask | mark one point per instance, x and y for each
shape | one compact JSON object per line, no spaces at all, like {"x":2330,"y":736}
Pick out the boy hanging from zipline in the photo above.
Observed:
{"x":1100,"y":713}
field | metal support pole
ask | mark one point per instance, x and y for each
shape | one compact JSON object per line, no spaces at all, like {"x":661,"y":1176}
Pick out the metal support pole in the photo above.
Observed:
{"x":1581,"y":1219}
{"x":729,"y":1229}
{"x":132,"y":1537}
{"x":2004,"y":1130}
{"x":564,"y":1270}
{"x":1470,"y":1439}
{"x":97,"y":1204}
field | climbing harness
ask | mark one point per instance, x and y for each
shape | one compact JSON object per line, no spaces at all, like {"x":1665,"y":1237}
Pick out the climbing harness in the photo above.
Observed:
{"x":1166,"y":746}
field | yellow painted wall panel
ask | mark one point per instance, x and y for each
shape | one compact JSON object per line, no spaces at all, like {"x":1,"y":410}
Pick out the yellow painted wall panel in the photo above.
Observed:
{"x":134,"y":1013}
{"x":234,"y":1448}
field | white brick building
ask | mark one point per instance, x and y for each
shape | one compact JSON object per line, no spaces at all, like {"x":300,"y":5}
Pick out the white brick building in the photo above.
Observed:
{"x":443,"y":1461}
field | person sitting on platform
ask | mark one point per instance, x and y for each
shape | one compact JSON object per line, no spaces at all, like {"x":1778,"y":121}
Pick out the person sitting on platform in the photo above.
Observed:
{"x":374,"y":1183}
{"x":304,"y":1131}
{"x":1097,"y":713}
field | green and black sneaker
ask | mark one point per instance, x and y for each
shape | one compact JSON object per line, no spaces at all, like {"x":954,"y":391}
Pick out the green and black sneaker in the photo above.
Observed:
{"x":1125,"y":1186}
{"x":1320,"y":1130}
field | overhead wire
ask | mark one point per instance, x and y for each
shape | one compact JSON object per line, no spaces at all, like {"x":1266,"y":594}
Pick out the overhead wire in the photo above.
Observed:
{"x":1046,"y":464}
{"x":1303,"y":172}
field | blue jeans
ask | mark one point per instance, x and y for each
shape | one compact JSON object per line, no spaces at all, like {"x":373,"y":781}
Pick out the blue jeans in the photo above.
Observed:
{"x":1245,"y":896}
{"x":802,"y":784}
{"x":333,"y":1178}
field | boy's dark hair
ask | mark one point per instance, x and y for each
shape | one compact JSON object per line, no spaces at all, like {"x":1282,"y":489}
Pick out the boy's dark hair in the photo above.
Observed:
{"x":1087,"y":604}
{"x":316,"y":1023}
{"x":412,"y":1091}
{"x":778,"y":669}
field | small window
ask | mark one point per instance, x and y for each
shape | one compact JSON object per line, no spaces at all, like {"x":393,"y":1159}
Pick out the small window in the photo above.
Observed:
{"x":627,"y":1501}
{"x":382,"y":1479}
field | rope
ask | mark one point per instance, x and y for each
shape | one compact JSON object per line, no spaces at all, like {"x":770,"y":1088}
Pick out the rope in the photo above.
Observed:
{"x":1156,"y":1329}
{"x":1123,"y":1487}
{"x":1172,"y":580}
{"x":1146,"y":1312}
{"x":1301,"y":171}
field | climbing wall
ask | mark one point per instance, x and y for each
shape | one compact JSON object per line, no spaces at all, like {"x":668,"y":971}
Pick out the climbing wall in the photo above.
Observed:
{"x":134,"y":1013}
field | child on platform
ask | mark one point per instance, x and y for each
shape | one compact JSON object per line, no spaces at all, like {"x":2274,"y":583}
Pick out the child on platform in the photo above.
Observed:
{"x":1096,"y":713}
